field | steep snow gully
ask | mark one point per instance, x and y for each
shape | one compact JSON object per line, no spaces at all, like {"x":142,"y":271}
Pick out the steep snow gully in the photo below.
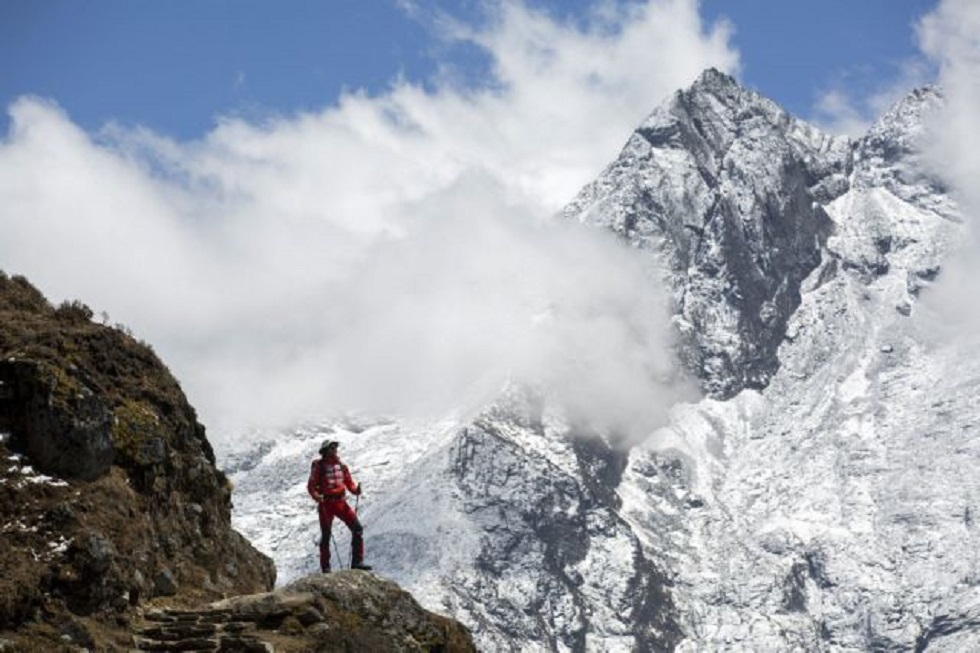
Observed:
{"x":821,"y":497}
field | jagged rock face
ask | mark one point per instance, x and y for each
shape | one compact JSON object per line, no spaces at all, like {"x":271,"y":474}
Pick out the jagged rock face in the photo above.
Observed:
{"x":71,"y":440}
{"x":727,"y":188}
{"x":823,"y":499}
{"x":890,"y":155}
{"x":561,"y":558}
{"x":110,"y":495}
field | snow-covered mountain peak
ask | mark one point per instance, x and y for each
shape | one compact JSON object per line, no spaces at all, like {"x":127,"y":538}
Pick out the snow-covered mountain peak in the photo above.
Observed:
{"x":894,"y":153}
{"x":723,"y":112}
{"x":727,"y":190}
{"x":899,"y":131}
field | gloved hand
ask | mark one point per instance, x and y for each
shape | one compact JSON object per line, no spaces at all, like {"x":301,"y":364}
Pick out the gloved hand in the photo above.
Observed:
{"x":357,"y":491}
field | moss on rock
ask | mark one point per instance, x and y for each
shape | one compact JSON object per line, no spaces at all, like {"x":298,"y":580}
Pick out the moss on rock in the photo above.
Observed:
{"x":137,"y":432}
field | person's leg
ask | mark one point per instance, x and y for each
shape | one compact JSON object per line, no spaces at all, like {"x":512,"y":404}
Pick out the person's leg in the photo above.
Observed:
{"x":349,"y":517}
{"x":326,"y":523}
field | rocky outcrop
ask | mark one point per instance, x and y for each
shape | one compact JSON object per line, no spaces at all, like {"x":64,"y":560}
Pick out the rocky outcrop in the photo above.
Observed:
{"x":343,"y":611}
{"x":109,"y":493}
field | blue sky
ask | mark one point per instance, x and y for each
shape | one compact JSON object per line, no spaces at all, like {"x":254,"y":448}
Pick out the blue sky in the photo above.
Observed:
{"x":794,"y":51}
{"x":176,"y":66}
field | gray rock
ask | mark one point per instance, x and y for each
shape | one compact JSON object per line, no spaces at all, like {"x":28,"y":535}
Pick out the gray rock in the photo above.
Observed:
{"x":66,"y":440}
{"x":165,"y":583}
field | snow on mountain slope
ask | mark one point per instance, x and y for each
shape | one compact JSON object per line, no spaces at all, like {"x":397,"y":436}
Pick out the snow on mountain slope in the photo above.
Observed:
{"x":821,"y":499}
{"x":835,"y":507}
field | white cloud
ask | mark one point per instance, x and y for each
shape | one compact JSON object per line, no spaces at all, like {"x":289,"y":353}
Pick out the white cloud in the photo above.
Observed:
{"x":842,"y":111}
{"x":389,"y":251}
{"x":950,"y":37}
{"x":838,"y":113}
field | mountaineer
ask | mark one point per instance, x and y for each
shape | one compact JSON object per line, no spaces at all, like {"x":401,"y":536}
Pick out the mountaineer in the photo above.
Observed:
{"x":328,"y":485}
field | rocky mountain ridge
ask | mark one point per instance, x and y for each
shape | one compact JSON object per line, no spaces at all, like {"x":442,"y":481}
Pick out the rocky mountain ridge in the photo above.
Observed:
{"x":800,"y":506}
{"x":729,"y":190}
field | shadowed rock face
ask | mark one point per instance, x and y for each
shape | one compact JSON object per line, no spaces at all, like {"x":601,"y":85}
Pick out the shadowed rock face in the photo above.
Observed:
{"x":109,"y":495}
{"x":72,"y":440}
{"x":727,"y":187}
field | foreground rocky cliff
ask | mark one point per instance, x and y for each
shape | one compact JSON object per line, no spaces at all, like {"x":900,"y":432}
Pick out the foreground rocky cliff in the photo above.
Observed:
{"x":115,"y":523}
{"x":343,"y":611}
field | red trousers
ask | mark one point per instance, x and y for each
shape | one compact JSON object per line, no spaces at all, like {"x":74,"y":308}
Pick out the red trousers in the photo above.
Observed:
{"x":328,"y":509}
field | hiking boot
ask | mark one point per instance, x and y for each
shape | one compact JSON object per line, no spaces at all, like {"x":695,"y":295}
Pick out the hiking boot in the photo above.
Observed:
{"x":361,"y":566}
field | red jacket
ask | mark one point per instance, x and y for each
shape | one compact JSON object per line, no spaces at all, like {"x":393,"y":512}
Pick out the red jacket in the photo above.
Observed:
{"x":330,"y":479}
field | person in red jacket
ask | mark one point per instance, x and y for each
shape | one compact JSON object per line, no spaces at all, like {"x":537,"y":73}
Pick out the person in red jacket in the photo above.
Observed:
{"x":330,"y":480}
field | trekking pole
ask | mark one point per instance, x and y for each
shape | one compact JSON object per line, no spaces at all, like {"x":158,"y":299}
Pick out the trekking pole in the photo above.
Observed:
{"x":357,"y":503}
{"x":337,"y":551}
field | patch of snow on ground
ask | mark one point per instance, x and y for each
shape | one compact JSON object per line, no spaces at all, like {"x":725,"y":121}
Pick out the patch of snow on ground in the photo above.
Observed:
{"x":29,"y":475}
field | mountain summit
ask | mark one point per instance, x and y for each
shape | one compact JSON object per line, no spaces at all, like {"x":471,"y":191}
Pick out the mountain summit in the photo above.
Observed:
{"x":729,"y":190}
{"x":821,"y":497}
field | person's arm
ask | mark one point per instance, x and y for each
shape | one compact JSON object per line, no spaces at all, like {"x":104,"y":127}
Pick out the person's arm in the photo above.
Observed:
{"x":313,"y":484}
{"x":354,"y":488}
